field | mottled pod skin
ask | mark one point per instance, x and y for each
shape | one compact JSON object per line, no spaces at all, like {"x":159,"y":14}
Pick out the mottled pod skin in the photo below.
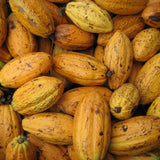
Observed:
{"x":19,"y":40}
{"x":80,"y":68}
{"x":20,"y":148}
{"x":118,"y":57}
{"x":129,"y":24}
{"x":24,"y":68}
{"x":124,"y":101}
{"x":123,"y":7}
{"x":70,"y":99}
{"x":37,"y":95}
{"x":10,"y":127}
{"x":146,"y":44}
{"x":34,"y":15}
{"x":71,"y":37}
{"x":88,"y":16}
{"x":154,"y":108}
{"x":147,"y":80}
{"x":134,"y":136}
{"x":54,"y":128}
{"x":92,"y":127}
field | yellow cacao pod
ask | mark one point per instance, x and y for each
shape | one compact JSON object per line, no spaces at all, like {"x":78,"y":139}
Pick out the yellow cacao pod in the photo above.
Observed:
{"x":134,"y":136}
{"x":123,"y":7}
{"x":146,"y":44}
{"x":147,"y":80}
{"x":80,"y":68}
{"x":19,"y":40}
{"x":129,"y":24}
{"x":46,"y":150}
{"x":54,"y":128}
{"x":37,"y":95}
{"x":118,"y":57}
{"x":88,"y":16}
{"x":10,"y":127}
{"x":71,"y":152}
{"x":154,"y":108}
{"x":20,"y":148}
{"x":70,"y":99}
{"x":92,"y":127}
{"x":5,"y":56}
{"x":21,"y":69}
{"x":124,"y":101}
{"x":34,"y":15}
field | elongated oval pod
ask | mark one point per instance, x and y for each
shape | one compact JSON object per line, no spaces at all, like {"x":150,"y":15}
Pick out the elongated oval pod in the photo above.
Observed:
{"x":134,"y":136}
{"x":54,"y":128}
{"x":21,"y":148}
{"x":80,"y":68}
{"x":37,"y":95}
{"x":24,"y":68}
{"x":34,"y":15}
{"x":92,"y":127}
{"x":88,"y":16}
{"x":10,"y":127}
{"x":147,"y":80}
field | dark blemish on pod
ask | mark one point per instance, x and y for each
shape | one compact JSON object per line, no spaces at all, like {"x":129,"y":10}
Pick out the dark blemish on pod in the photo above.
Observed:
{"x":21,"y":9}
{"x":40,"y":130}
{"x":11,"y":23}
{"x":155,"y":18}
{"x":109,"y":73}
{"x":117,"y":109}
{"x":28,"y":65}
{"x":101,"y":133}
{"x":92,"y":66}
{"x":125,"y":128}
{"x":39,"y":85}
{"x":97,"y":111}
{"x":32,"y":23}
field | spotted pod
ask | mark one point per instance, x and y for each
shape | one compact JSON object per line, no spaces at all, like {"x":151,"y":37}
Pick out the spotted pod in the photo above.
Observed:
{"x":21,"y":69}
{"x":80,"y":68}
{"x":118,"y":57}
{"x":54,"y":128}
{"x":134,"y":136}
{"x":37,"y":95}
{"x":147,"y":80}
{"x":34,"y":15}
{"x":88,"y":16}
{"x":92,"y":127}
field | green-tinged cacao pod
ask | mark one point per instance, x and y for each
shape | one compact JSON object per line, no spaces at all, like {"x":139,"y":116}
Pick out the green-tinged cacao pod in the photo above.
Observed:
{"x":21,"y":148}
{"x":55,"y":128}
{"x":92,"y":127}
{"x":37,"y":95}
{"x":80,"y":68}
{"x":88,"y":16}
{"x":34,"y":15}
{"x":21,"y":69}
{"x":10,"y":127}
{"x":118,"y":57}
{"x":147,"y":80}
{"x":136,"y":135}
{"x":124,"y":101}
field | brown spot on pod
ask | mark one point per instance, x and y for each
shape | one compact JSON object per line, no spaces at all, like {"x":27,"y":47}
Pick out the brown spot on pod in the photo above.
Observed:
{"x":117,"y":109}
{"x":124,"y":127}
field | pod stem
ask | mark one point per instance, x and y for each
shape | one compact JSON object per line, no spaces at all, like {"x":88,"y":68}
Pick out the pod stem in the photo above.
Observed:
{"x":22,"y":139}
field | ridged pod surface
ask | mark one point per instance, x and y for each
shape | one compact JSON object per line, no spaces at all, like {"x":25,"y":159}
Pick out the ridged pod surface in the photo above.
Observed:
{"x":147,"y":80}
{"x":20,"y":148}
{"x":19,"y":40}
{"x":37,"y":95}
{"x":88,"y":16}
{"x":80,"y":68}
{"x":10,"y":127}
{"x":124,"y":101}
{"x":123,"y":7}
{"x":134,"y":136}
{"x":92,"y":127}
{"x":70,"y":99}
{"x":34,"y":15}
{"x":118,"y":57}
{"x":24,"y":68}
{"x":54,"y":128}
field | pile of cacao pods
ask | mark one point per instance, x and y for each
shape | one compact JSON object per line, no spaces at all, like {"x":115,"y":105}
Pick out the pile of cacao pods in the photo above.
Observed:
{"x":79,"y":79}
